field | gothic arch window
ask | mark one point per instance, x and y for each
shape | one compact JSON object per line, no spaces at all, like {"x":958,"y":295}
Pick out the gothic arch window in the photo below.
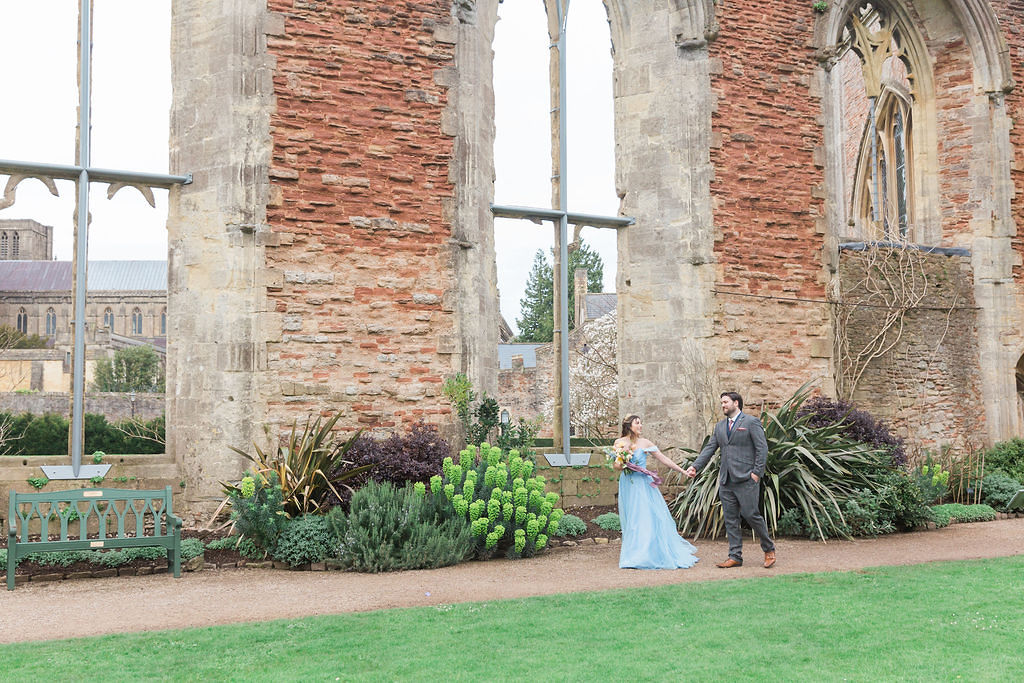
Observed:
{"x":163,"y":322}
{"x":136,"y":322}
{"x":51,"y":321}
{"x":108,"y":319}
{"x":15,"y":245}
{"x":884,"y":175}
{"x":883,"y":78}
{"x":4,"y":245}
{"x":22,"y":321}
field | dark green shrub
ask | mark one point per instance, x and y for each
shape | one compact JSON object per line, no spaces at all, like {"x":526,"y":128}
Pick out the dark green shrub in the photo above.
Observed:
{"x":48,"y":435}
{"x":257,"y":510}
{"x":306,"y":540}
{"x":61,"y":558}
{"x":941,"y":516}
{"x":571,"y":525}
{"x":966,"y":513}
{"x":503,"y":501}
{"x":863,"y":515}
{"x":791,"y":523}
{"x":244,"y":546}
{"x":997,"y":489}
{"x":190,"y":547}
{"x":902,"y":503}
{"x":390,"y":529}
{"x":608,"y":521}
{"x":1006,"y":457}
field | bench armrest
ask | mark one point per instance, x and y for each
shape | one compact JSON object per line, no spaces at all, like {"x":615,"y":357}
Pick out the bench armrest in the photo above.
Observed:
{"x":174,"y":520}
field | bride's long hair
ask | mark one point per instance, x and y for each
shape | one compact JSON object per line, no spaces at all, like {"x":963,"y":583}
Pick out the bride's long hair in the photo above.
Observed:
{"x":627,"y":427}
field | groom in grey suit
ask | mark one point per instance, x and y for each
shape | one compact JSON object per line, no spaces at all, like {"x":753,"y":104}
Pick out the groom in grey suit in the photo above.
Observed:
{"x":744,"y":454}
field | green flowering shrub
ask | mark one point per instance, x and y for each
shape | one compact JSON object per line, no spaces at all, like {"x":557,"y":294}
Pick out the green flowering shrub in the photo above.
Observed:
{"x":306,"y":540}
{"x":258,"y":516}
{"x":933,"y":482}
{"x":571,"y":525}
{"x":501,"y":498}
{"x":390,"y":529}
{"x":608,"y":521}
{"x":997,"y":489}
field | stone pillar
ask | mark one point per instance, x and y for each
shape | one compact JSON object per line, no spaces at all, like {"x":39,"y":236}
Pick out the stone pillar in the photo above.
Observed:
{"x":666,"y":274}
{"x":579,"y":289}
{"x":222,"y":98}
{"x":469,"y":116}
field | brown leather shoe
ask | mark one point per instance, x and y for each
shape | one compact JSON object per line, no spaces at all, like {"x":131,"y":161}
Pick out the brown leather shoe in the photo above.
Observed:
{"x":729,"y":564}
{"x":769,"y":559}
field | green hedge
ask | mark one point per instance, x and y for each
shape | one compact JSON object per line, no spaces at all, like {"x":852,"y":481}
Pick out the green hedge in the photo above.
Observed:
{"x":48,"y":435}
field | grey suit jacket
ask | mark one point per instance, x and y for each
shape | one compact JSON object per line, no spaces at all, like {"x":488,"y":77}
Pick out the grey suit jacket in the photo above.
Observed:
{"x":744,"y":450}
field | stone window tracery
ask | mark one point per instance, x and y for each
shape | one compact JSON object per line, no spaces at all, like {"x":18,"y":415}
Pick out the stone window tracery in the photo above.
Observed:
{"x":880,"y":100}
{"x":22,"y":321}
{"x":15,"y":245}
{"x":108,"y":319}
{"x":4,"y":245}
{"x":51,"y":322}
{"x":163,"y":322}
{"x":136,"y":322}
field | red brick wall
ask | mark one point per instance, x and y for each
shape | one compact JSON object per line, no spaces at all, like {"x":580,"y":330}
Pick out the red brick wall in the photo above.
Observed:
{"x":358,"y":174}
{"x":954,"y":89}
{"x":1010,"y":14}
{"x":765,"y":131}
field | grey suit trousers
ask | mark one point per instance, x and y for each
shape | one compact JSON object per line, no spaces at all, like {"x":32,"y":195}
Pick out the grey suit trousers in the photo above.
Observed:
{"x":739,"y":499}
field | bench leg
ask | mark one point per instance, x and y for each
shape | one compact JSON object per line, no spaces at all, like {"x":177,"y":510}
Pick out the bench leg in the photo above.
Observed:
{"x":174,"y":555}
{"x":11,"y":566}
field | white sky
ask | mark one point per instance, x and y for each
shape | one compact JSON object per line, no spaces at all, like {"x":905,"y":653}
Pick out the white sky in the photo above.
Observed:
{"x":131,"y":101}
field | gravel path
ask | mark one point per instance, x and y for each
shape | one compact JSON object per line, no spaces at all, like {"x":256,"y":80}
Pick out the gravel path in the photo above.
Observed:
{"x":87,"y":607}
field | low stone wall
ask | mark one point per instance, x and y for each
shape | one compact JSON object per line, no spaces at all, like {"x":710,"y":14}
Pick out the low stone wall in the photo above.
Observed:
{"x":115,"y":406}
{"x":596,"y":483}
{"x":126,"y":472}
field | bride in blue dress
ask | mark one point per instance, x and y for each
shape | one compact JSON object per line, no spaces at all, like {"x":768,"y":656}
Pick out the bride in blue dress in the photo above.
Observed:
{"x":650,"y":538}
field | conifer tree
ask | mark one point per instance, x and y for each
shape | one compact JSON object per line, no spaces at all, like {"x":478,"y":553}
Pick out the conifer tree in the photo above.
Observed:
{"x":536,"y":322}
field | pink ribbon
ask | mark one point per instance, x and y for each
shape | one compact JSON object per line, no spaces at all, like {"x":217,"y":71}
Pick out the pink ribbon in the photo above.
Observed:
{"x":655,"y":479}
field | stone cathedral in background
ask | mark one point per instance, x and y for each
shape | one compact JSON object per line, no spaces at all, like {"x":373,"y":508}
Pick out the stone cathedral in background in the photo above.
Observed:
{"x":824,"y":195}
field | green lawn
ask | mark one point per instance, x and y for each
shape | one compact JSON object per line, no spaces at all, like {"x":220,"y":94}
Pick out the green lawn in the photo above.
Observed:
{"x":937,"y":622}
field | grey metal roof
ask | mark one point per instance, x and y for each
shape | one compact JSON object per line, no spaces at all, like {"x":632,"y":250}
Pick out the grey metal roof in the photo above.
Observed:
{"x":104,"y":276}
{"x":527,"y":351}
{"x":600,"y":304}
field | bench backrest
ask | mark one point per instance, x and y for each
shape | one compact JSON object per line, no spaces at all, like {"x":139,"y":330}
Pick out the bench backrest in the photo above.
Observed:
{"x":57,"y":512}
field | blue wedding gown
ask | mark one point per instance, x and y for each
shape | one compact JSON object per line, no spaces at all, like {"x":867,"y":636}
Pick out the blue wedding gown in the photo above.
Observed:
{"x":650,"y":539}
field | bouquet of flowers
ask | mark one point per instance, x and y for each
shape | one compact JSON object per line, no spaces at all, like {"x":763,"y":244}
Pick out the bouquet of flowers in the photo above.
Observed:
{"x":620,"y":455}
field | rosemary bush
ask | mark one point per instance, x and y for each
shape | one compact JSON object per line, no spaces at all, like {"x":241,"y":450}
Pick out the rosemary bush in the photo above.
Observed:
{"x":390,"y":529}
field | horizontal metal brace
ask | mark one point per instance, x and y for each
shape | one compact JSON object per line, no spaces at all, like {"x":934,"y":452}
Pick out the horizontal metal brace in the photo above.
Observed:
{"x":66,"y":172}
{"x":533,"y":213}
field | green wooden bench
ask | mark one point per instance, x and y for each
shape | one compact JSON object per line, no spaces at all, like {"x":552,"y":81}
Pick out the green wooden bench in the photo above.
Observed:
{"x":43,"y":522}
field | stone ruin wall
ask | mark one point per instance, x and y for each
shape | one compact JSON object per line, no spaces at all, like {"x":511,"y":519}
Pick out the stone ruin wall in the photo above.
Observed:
{"x":929,"y":385}
{"x":770,"y":334}
{"x":360,"y":239}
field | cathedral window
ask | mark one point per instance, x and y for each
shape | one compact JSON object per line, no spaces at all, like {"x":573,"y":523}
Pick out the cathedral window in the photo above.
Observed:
{"x":51,"y":322}
{"x":163,"y":322}
{"x":108,"y":319}
{"x":22,"y":321}
{"x":878,"y":75}
{"x":15,"y":248}
{"x":136,"y":322}
{"x":4,"y":245}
